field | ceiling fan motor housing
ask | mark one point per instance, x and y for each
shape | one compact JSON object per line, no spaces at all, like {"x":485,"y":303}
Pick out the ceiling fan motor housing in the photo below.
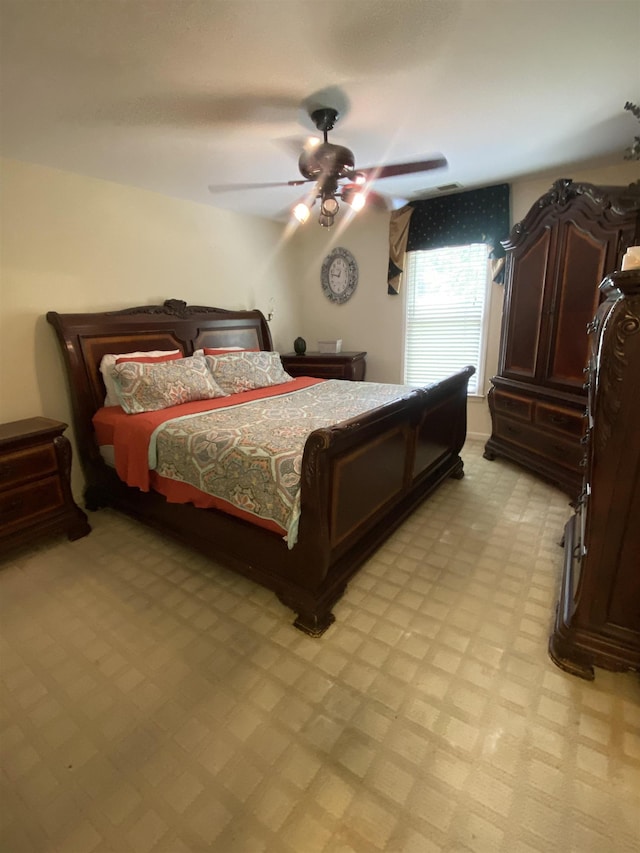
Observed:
{"x":326,"y":159}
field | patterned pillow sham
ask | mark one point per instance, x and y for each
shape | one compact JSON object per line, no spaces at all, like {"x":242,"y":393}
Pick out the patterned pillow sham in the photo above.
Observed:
{"x":150,"y":387}
{"x":246,"y":370}
{"x":108,"y":362}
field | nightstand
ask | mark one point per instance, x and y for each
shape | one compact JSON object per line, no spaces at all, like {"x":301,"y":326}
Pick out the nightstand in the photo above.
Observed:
{"x":35,"y":489}
{"x":326,"y":365}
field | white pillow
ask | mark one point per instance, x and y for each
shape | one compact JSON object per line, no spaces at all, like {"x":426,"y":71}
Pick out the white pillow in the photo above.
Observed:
{"x":108,"y":363}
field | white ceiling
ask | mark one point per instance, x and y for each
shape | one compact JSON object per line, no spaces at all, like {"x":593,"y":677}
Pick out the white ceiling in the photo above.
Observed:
{"x":175,"y":95}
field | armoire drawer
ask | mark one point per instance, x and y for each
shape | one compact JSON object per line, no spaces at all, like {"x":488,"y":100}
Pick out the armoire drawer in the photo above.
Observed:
{"x":565,"y":452}
{"x":558,"y":418}
{"x":513,"y":405}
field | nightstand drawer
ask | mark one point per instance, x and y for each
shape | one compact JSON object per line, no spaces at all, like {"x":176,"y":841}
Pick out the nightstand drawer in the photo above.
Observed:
{"x":27,"y":464}
{"x":19,"y":507}
{"x":319,"y":371}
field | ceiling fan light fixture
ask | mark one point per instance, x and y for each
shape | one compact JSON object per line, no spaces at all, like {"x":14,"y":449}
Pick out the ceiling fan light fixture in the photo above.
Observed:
{"x":325,"y":220}
{"x":329,"y":206}
{"x":355,"y":199}
{"x":301,"y":212}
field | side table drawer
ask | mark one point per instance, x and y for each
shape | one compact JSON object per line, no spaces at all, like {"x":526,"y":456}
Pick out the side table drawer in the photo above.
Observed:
{"x":20,"y":506}
{"x":319,"y":371}
{"x":27,"y":464}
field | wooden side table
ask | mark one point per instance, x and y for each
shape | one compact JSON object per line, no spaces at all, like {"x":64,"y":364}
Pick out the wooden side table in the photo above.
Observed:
{"x":326,"y":365}
{"x":35,"y":488}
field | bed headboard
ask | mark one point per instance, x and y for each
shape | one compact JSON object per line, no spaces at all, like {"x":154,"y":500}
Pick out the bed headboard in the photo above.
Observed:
{"x":85,"y":338}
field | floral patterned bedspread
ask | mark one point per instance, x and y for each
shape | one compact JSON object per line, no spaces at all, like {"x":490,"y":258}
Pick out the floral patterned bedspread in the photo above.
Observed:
{"x":250,"y":455}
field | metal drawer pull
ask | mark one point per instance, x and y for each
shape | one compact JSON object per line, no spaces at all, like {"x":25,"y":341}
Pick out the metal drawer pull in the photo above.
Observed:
{"x":513,"y":430}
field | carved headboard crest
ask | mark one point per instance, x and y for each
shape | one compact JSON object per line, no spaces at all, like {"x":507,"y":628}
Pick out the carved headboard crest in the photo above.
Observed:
{"x":175,"y":307}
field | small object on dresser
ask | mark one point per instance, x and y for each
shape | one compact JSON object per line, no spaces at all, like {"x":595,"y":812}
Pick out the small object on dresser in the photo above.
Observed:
{"x":35,"y":490}
{"x":631,"y":258}
{"x":300,"y":346}
{"x":330,"y":346}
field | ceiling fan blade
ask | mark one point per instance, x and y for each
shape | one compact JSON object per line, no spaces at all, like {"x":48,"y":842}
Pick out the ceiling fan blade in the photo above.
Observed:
{"x":392,"y":170}
{"x":228,"y":188}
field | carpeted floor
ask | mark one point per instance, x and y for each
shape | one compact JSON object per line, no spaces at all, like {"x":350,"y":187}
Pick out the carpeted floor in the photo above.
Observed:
{"x":153,"y":701}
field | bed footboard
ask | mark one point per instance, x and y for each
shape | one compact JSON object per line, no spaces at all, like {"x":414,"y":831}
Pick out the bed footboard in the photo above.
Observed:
{"x":361,"y":479}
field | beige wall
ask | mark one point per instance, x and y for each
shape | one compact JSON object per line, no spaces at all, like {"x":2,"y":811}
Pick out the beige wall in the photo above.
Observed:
{"x":372,"y":320}
{"x":70,"y":243}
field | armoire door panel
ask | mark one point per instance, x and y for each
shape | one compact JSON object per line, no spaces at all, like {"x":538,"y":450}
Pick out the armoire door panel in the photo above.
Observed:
{"x":575,"y":303}
{"x":526,"y":306}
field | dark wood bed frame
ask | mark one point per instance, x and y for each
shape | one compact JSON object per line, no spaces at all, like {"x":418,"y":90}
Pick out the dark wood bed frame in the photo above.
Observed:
{"x":359,"y":479}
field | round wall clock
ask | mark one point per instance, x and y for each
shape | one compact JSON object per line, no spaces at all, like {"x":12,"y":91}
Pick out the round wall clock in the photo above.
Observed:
{"x":339,"y":275}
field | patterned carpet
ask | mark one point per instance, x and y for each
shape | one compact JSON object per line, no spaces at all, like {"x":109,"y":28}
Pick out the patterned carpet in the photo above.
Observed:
{"x":152,"y":701}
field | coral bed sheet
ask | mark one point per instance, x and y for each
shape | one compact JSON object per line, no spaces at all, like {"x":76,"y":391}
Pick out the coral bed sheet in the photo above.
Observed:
{"x":241,"y":453}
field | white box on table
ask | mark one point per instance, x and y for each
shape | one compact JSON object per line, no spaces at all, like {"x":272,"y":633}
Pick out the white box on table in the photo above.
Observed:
{"x":330,"y":346}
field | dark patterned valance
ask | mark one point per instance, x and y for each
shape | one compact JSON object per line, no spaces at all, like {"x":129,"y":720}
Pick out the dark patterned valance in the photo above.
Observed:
{"x":476,"y":216}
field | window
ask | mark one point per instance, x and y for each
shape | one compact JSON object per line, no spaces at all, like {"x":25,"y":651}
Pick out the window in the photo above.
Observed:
{"x":445,"y":326}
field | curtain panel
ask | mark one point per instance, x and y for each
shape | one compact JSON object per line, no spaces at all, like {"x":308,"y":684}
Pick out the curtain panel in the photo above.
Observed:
{"x":398,"y":234}
{"x":475,"y":216}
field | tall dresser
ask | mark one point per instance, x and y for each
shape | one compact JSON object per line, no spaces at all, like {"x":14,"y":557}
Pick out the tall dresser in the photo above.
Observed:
{"x":598,"y":616}
{"x":556,"y":258}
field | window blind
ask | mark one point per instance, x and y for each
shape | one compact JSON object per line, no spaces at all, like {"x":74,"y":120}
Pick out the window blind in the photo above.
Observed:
{"x":445,"y":309}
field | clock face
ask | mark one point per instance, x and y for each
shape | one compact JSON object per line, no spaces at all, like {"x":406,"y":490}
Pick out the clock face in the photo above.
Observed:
{"x":339,"y":275}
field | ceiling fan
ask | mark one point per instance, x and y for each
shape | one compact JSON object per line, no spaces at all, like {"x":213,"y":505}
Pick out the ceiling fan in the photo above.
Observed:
{"x":331,"y":169}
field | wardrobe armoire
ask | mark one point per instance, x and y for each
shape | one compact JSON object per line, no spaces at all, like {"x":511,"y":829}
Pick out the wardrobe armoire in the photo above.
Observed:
{"x":556,"y":257}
